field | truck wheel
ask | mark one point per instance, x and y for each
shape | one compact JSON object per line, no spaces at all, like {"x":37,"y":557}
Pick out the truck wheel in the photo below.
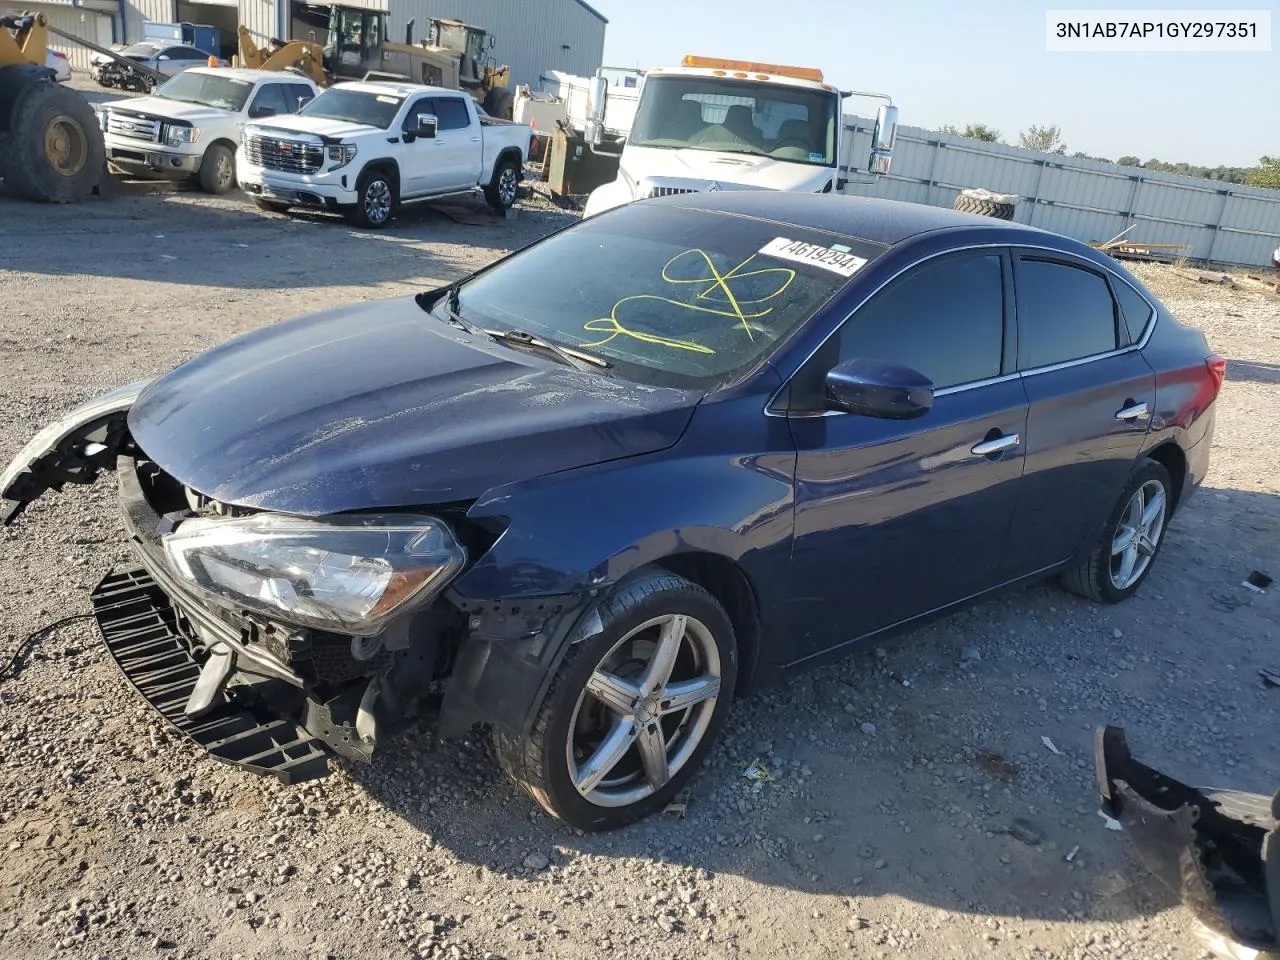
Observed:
{"x":55,"y":148}
{"x":271,"y":206}
{"x":633,"y":709}
{"x":987,"y":208}
{"x":217,"y":169}
{"x":502,"y":189}
{"x":500,"y":102}
{"x":376,"y":200}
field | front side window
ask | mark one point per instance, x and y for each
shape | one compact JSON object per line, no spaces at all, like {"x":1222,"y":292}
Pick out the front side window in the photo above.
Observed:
{"x":669,"y":295}
{"x":210,"y":89}
{"x":944,"y":319}
{"x":1064,"y":313}
{"x":355,"y":106}
{"x":737,"y":116}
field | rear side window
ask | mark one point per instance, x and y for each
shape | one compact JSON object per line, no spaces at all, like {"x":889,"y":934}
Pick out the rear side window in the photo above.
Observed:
{"x":1064,"y":313}
{"x":944,"y":319}
{"x":271,"y":97}
{"x":299,"y":95}
{"x":1134,"y":308}
{"x":451,"y":114}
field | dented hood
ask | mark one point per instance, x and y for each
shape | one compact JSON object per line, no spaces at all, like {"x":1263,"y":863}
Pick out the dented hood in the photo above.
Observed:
{"x":383,"y":405}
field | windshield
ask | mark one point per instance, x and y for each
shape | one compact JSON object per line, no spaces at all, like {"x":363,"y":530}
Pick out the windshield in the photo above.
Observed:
{"x":355,"y":106}
{"x":144,"y":50}
{"x":670,"y":296}
{"x":738,"y":116}
{"x":207,"y":89}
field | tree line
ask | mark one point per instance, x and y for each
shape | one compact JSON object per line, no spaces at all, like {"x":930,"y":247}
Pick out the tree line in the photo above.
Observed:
{"x":1048,"y":139}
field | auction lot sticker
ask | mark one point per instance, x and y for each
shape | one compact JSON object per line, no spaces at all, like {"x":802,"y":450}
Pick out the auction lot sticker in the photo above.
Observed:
{"x":836,"y":258}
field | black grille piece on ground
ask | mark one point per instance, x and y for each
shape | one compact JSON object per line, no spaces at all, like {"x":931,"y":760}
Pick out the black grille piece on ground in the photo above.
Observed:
{"x":139,"y":628}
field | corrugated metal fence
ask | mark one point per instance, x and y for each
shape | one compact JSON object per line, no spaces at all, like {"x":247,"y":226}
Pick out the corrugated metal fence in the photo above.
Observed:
{"x":1225,"y":223}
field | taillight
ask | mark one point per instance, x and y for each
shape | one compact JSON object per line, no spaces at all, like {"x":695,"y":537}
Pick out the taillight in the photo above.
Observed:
{"x":1217,"y":371}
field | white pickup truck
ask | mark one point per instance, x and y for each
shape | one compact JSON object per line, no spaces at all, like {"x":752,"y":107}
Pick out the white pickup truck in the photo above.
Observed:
{"x":190,"y":126}
{"x":364,"y":148}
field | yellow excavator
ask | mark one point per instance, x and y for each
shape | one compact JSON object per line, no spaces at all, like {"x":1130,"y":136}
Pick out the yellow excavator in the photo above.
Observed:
{"x":350,"y":43}
{"x":51,"y":147}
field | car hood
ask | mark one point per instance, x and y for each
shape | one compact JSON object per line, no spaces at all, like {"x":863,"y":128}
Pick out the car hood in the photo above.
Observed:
{"x":382,"y":405}
{"x":317,"y":126}
{"x":193,"y":113}
{"x":728,"y":170}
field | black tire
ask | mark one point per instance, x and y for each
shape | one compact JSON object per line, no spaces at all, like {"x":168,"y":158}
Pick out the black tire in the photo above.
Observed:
{"x":218,"y":169}
{"x":504,"y":187}
{"x":500,"y":102}
{"x":987,"y":208}
{"x":377,"y":200}
{"x":271,"y":206}
{"x":1091,"y":577}
{"x":55,"y":149}
{"x":539,"y":761}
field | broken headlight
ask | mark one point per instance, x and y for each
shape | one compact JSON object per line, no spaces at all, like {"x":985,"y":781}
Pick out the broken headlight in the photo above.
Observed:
{"x":346,"y":574}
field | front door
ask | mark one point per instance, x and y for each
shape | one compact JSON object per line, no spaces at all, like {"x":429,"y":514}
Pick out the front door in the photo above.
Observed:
{"x":897,"y":518}
{"x":1091,"y":399}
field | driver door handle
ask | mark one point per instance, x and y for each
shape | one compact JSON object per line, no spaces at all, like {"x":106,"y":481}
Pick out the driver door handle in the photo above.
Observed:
{"x":989,"y":448}
{"x":1132,"y":411}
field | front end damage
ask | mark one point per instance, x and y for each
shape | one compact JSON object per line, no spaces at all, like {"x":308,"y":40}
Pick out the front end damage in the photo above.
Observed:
{"x":1218,"y":850}
{"x":256,"y":691}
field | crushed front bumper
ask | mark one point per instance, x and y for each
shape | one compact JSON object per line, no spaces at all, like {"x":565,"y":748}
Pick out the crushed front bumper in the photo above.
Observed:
{"x":139,"y":628}
{"x":144,"y":159}
{"x":1218,"y":850}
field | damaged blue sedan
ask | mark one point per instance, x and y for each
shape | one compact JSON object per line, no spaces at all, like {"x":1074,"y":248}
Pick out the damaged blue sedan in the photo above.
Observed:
{"x":601,"y":487}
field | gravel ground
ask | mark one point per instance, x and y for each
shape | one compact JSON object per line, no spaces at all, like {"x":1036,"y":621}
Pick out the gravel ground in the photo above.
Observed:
{"x":914,"y":808}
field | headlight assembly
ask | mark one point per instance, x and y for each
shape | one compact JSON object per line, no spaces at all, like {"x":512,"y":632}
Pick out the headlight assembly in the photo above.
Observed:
{"x":340,"y":154}
{"x":345,"y":574}
{"x":176,"y":136}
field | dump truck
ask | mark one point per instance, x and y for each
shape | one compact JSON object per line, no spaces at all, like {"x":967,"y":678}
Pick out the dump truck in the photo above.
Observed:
{"x":51,"y":146}
{"x":349,"y":43}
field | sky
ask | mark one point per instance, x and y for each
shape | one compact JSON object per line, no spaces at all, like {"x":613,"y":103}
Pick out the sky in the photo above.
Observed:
{"x":984,"y":61}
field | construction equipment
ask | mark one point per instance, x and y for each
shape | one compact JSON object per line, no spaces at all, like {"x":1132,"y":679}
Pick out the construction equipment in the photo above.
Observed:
{"x":355,"y":48}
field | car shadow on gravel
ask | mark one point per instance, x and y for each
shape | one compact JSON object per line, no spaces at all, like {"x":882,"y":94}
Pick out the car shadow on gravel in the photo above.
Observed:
{"x":951,"y":765}
{"x":191,"y":239}
{"x":1253,"y":372}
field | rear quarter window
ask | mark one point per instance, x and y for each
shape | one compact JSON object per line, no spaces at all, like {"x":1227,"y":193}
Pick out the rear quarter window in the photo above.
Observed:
{"x":1134,"y":308}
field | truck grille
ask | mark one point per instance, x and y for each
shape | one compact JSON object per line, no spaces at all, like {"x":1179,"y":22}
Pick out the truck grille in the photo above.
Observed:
{"x":273,"y":153}
{"x":134,"y":127}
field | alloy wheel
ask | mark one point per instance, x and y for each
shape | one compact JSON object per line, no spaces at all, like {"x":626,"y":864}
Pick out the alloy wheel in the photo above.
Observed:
{"x":1138,"y":534}
{"x":507,"y":186}
{"x":377,"y":201}
{"x":645,"y":709}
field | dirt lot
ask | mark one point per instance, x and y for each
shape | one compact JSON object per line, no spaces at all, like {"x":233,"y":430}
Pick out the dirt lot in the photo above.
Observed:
{"x":923,"y":818}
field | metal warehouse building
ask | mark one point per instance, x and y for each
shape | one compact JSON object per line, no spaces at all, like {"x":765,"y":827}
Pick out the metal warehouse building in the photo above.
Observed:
{"x":531,"y":36}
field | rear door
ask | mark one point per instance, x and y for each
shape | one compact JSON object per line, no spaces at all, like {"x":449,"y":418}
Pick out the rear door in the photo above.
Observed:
{"x":896,"y":518}
{"x":1091,"y":395}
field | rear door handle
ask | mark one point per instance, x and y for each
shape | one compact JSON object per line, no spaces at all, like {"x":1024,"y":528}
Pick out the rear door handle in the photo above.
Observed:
{"x":989,"y":448}
{"x":1132,"y":411}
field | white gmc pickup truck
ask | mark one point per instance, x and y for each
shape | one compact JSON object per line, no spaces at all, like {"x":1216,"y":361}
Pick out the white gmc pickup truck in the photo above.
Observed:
{"x":363,"y":148}
{"x":190,"y":126}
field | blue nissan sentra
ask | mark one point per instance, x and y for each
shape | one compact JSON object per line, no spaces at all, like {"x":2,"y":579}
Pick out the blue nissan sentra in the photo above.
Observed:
{"x":610,"y":482}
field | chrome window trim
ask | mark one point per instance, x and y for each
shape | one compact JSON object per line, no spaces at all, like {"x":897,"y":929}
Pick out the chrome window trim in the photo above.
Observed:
{"x":1013,"y":248}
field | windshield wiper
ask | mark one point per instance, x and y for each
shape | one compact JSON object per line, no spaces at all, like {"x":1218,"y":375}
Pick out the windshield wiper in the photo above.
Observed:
{"x":574,"y":358}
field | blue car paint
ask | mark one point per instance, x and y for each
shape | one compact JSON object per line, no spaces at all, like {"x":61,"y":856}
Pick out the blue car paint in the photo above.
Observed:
{"x":840,"y":525}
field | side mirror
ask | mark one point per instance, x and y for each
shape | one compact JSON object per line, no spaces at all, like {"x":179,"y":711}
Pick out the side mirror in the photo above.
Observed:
{"x":594,"y":127}
{"x":883,"y":138}
{"x":164,"y":56}
{"x":877,"y":388}
{"x":426,"y":126}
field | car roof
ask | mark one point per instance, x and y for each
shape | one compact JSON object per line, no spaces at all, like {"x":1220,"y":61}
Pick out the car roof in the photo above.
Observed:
{"x":391,"y":87}
{"x":887,"y":222}
{"x":253,"y":76}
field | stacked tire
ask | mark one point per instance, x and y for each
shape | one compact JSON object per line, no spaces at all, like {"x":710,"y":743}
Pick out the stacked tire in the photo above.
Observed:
{"x":986,"y":203}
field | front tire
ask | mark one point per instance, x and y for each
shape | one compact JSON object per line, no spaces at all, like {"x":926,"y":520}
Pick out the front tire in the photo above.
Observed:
{"x":377,"y":199}
{"x":503,"y":189}
{"x":55,"y":149}
{"x":217,"y":170}
{"x":633,"y":709}
{"x":1126,"y":550}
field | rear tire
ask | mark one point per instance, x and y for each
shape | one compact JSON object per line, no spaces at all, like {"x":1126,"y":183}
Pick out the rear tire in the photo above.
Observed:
{"x":218,"y":170}
{"x":55,"y":152}
{"x":500,"y":102}
{"x":271,"y":206}
{"x":503,"y":189}
{"x":679,"y":720}
{"x":377,"y":199}
{"x":1102,"y":576}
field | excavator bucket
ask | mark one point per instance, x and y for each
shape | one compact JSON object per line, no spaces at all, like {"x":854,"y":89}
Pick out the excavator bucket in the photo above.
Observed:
{"x":51,"y":148}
